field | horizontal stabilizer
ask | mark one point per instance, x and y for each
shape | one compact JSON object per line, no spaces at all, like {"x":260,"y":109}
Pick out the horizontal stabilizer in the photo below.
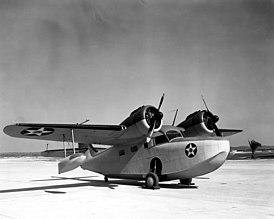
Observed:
{"x":71,"y":162}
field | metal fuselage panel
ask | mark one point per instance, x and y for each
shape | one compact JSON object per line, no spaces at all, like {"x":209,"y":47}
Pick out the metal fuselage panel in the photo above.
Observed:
{"x":178,"y":161}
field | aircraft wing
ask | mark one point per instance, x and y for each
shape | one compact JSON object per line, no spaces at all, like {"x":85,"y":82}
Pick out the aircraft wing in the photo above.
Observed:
{"x":97,"y":134}
{"x":228,"y":132}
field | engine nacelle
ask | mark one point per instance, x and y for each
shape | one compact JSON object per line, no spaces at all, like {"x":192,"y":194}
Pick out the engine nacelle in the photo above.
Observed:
{"x":198,"y":123}
{"x":138,"y":122}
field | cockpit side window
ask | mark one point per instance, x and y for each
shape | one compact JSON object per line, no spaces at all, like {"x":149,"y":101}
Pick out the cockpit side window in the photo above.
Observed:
{"x":171,"y":134}
{"x":160,"y":139}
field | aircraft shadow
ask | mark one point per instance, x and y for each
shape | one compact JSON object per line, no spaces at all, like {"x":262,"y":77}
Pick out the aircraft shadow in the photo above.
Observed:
{"x":85,"y":182}
{"x":53,"y":178}
{"x":201,"y":177}
{"x":177,"y":186}
{"x":141,"y":184}
{"x":95,"y":183}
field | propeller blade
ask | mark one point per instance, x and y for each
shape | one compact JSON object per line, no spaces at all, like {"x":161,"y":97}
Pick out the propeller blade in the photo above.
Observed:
{"x":217,"y":131}
{"x":205,"y":103}
{"x":152,"y":124}
{"x":158,"y":115}
{"x":151,"y":129}
{"x":215,"y":118}
{"x":161,"y":101}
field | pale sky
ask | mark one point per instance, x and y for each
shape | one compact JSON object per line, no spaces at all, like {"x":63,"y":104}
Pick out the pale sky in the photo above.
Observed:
{"x":64,"y":61}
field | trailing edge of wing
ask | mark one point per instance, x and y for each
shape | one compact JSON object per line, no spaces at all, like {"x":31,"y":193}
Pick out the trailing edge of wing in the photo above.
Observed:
{"x":100,"y":134}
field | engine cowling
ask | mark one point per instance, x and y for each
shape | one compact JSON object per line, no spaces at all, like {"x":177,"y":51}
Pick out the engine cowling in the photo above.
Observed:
{"x":139,"y":121}
{"x":199,"y":123}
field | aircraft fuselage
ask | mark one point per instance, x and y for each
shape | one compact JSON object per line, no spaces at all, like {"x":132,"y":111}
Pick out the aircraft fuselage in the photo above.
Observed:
{"x":179,"y":159}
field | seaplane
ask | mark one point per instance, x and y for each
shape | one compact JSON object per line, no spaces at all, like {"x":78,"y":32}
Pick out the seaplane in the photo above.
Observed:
{"x":141,"y":147}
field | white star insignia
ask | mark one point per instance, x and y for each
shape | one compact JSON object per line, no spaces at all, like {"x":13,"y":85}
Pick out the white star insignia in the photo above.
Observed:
{"x":37,"y":132}
{"x":191,"y":150}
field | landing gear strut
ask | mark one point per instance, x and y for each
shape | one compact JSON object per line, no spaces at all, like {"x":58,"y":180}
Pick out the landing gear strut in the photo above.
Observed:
{"x":152,"y":181}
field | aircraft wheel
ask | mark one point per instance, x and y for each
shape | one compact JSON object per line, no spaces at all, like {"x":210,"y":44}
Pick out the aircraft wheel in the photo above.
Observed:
{"x":106,"y":179}
{"x":152,"y":181}
{"x":186,"y":181}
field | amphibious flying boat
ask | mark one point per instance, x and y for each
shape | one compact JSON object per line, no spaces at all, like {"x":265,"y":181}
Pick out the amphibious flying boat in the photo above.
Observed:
{"x":142,"y":148}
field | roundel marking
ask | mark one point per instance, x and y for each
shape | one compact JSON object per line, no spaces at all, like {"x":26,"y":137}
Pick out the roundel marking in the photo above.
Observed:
{"x":37,"y":131}
{"x":191,"y":150}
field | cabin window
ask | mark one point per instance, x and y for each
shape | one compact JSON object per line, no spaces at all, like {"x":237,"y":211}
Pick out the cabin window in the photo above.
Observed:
{"x":160,"y":139}
{"x":173,"y":134}
{"x":134,"y":149}
{"x":122,"y":152}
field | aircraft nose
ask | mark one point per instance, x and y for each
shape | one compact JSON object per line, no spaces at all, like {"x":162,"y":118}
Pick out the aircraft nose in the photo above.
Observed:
{"x":220,"y":157}
{"x":224,"y":146}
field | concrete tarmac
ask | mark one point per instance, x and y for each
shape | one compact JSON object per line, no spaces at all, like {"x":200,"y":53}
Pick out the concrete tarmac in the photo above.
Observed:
{"x":31,"y":188}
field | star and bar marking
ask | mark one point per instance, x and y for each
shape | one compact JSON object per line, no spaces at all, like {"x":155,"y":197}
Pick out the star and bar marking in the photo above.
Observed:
{"x":191,"y":150}
{"x":37,"y":131}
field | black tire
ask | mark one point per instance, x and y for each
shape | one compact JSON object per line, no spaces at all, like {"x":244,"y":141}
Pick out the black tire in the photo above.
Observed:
{"x":186,"y":181}
{"x":106,"y":179}
{"x":152,"y":181}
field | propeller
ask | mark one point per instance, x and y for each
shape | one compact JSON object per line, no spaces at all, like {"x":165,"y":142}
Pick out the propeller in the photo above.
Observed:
{"x":212,"y":120}
{"x":157,"y":115}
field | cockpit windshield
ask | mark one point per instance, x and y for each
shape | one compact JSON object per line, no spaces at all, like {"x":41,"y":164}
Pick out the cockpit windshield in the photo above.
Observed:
{"x":167,"y":137}
{"x":173,"y":134}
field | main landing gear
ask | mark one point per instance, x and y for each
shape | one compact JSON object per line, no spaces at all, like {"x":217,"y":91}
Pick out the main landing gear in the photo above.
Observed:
{"x":152,"y":181}
{"x":152,"y":178}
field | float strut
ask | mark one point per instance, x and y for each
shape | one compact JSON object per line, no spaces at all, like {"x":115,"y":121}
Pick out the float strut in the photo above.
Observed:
{"x":72,"y":137}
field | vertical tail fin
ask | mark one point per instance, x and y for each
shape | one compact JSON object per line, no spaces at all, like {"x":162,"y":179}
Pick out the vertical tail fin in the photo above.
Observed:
{"x":89,"y":148}
{"x":92,"y":150}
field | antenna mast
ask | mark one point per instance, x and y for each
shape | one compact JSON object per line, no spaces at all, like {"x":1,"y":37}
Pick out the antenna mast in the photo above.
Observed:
{"x":175,"y":117}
